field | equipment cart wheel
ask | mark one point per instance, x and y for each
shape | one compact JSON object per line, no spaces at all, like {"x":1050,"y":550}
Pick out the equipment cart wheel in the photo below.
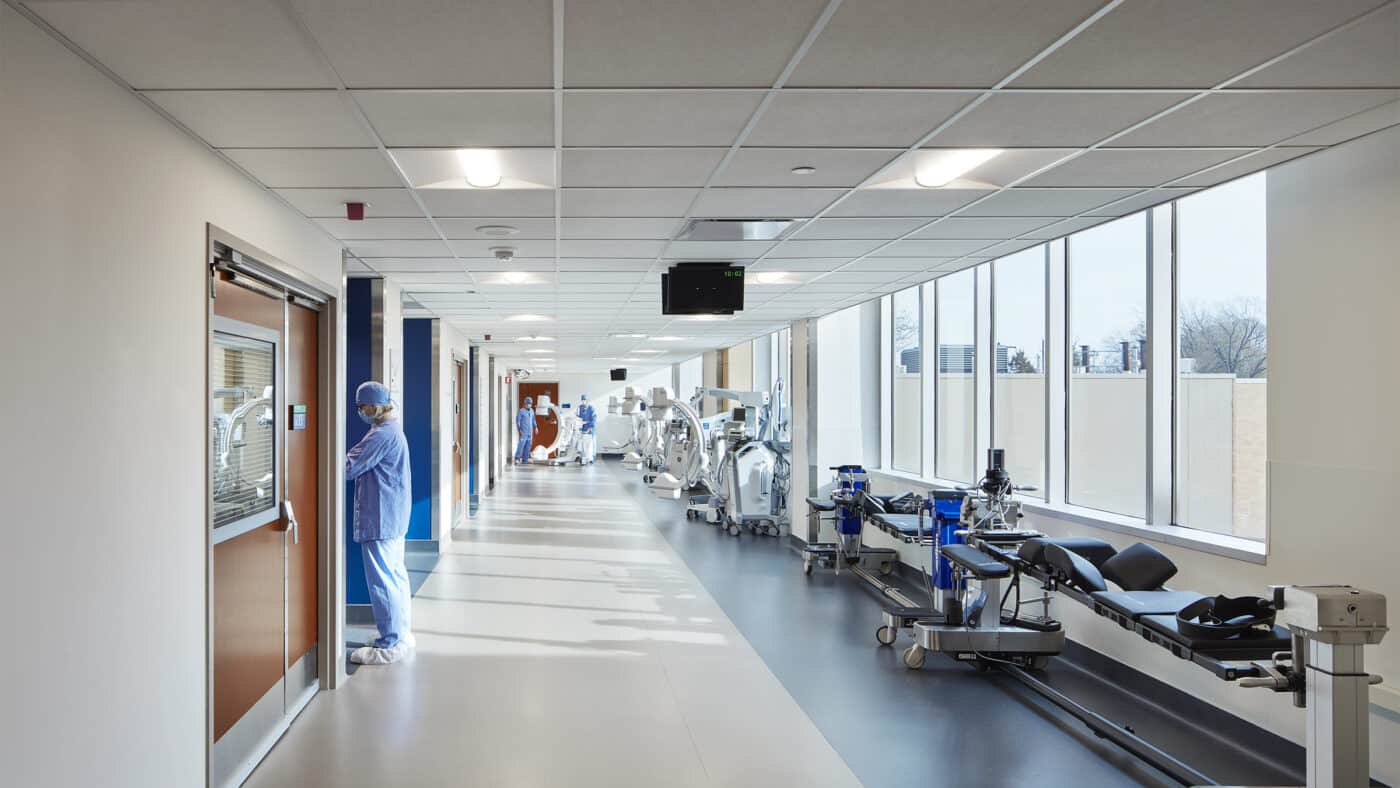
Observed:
{"x":914,"y":657}
{"x":806,"y":566}
{"x":1039,"y":663}
{"x":886,"y":635}
{"x":886,"y":568}
{"x":733,"y":529}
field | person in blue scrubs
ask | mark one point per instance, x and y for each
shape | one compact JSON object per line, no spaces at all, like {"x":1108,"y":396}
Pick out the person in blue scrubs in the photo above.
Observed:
{"x":589,"y":419}
{"x":378,"y":464}
{"x":525,"y":425}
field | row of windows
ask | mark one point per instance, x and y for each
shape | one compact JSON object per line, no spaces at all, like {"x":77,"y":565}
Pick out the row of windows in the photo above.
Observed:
{"x":1068,"y":324}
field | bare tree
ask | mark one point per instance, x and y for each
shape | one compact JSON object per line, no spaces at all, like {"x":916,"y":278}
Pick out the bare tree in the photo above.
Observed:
{"x":906,"y":330}
{"x":1228,"y":339}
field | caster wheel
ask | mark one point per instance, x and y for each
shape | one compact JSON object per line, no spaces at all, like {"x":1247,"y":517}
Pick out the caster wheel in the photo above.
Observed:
{"x":1038,"y":663}
{"x":733,"y":529}
{"x":914,"y":657}
{"x":807,"y":567}
{"x":886,"y":635}
{"x":886,"y":568}
{"x":982,"y":666}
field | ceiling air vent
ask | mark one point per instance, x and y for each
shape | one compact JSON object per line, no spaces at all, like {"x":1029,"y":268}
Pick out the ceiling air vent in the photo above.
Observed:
{"x":737,"y":229}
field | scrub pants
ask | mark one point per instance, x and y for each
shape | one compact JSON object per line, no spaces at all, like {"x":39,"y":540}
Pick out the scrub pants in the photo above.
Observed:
{"x":389,"y":593}
{"x":522,"y":448}
{"x":589,"y":446}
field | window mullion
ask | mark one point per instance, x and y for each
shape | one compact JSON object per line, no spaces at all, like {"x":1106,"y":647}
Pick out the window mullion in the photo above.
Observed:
{"x":1161,"y":322}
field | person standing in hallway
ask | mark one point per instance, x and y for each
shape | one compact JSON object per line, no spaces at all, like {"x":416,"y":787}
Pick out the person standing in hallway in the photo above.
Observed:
{"x":589,"y":419}
{"x":525,"y":425}
{"x":378,"y":464}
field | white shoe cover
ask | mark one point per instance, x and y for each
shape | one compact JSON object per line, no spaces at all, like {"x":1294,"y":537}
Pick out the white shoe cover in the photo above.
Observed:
{"x":369,"y":655}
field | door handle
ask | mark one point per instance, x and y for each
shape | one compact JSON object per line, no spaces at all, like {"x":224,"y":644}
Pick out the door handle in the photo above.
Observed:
{"x":290,"y":517}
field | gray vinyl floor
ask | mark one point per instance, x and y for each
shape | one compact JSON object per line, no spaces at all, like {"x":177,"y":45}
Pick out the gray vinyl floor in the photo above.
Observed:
{"x":561,"y":642}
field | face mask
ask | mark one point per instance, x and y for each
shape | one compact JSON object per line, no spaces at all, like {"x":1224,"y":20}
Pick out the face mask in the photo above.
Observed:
{"x":366,"y":419}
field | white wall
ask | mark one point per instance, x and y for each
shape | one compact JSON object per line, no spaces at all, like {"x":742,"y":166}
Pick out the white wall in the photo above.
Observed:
{"x":451,"y":345}
{"x":690,"y":375}
{"x":848,"y":377}
{"x":103,"y":207}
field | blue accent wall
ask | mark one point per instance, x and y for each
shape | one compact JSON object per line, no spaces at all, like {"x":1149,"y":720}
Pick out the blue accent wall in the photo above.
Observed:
{"x":358,"y":354}
{"x":418,"y":416}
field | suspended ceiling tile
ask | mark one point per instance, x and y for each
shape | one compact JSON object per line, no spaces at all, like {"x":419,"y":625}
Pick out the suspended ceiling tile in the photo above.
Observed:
{"x":266,"y":118}
{"x":825,"y":248}
{"x":531,"y":228}
{"x":379,"y":228}
{"x":628,"y":227}
{"x":852,"y":120}
{"x":1350,"y":128}
{"x":460,"y":120}
{"x":398,"y":249}
{"x":736,"y":203}
{"x":654,"y":167}
{"x":905,"y":202}
{"x":486,"y":203}
{"x":933,"y":43}
{"x":330,"y":203}
{"x":1364,"y":55}
{"x":311,"y":168}
{"x":605,"y":248}
{"x":626,"y":202}
{"x":902,"y":264}
{"x":817,"y":264}
{"x":430,"y":43}
{"x":773,"y":166}
{"x":1132,"y":167}
{"x":716,"y":250}
{"x":1010,"y":247}
{"x":1045,"y":202}
{"x":1050,"y":120}
{"x":637,"y":265}
{"x":424,"y":265}
{"x":1259,"y":161}
{"x":640,"y":43}
{"x":932,"y":248}
{"x":1139,"y":202}
{"x":1186,"y":43}
{"x":983,"y":228}
{"x":656,"y":118}
{"x":1252,"y":119}
{"x":883,"y":229}
{"x":199,"y":44}
{"x":483,"y":248}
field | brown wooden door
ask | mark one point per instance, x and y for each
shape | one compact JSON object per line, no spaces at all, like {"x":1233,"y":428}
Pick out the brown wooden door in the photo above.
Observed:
{"x":248,"y":568}
{"x":546,"y":427}
{"x":265,"y":354}
{"x":303,"y":480}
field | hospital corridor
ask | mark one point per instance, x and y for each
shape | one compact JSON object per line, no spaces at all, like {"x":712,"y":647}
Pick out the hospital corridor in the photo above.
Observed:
{"x":699,"y":393}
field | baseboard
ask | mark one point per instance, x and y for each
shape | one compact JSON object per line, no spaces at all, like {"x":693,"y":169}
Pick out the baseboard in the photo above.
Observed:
{"x":422,"y":546}
{"x":359,"y":615}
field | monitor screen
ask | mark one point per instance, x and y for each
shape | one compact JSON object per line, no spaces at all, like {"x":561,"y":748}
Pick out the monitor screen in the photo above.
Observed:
{"x":702,"y":289}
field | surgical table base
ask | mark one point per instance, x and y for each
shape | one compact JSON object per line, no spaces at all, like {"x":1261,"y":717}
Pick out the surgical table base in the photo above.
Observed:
{"x":984,"y":644}
{"x":829,"y":555}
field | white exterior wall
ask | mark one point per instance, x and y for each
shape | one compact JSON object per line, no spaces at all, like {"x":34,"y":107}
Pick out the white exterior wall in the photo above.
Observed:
{"x":103,"y":206}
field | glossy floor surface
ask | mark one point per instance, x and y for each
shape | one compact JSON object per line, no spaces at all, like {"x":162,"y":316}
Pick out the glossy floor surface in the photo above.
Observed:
{"x":561,"y":642}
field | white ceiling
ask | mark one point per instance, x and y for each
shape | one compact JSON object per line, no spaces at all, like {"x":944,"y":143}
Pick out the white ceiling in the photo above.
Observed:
{"x":639,"y":115}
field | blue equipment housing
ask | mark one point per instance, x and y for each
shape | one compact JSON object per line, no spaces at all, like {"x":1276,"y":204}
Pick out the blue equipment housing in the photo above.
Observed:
{"x":945,"y":510}
{"x":851,"y":481}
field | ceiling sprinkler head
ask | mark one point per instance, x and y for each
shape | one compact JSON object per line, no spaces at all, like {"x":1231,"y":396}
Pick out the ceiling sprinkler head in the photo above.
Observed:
{"x":503,"y":253}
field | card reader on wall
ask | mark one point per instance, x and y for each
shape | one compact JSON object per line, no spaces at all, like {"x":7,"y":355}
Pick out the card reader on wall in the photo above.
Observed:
{"x":298,"y":417}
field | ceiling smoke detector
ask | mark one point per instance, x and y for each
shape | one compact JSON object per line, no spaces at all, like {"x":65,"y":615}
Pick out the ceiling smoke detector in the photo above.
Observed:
{"x":503,"y":253}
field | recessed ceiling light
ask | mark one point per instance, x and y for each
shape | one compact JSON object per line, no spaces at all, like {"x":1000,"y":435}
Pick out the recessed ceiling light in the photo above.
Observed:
{"x":528,"y":318}
{"x":705,"y":318}
{"x":534,"y":339}
{"x":515,"y":277}
{"x":940,"y":168}
{"x":482,"y":168}
{"x":668,"y":339}
{"x":497,"y":230}
{"x":648,"y":352}
{"x":804,"y":170}
{"x":538,"y":351}
{"x":629,"y":336}
{"x":773,"y":278}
